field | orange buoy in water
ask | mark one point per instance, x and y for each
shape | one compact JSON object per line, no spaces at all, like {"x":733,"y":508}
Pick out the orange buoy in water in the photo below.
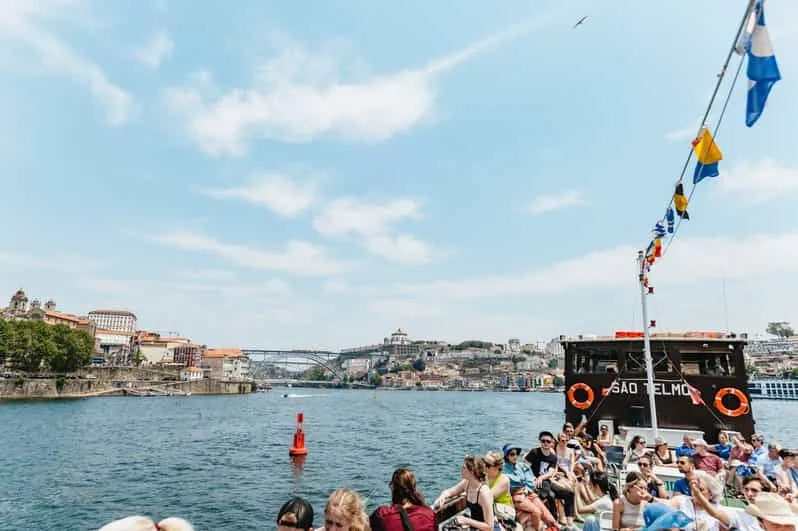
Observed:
{"x":299,"y":438}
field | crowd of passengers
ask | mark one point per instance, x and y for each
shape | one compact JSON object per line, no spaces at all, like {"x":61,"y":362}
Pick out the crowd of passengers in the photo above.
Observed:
{"x":564,"y":480}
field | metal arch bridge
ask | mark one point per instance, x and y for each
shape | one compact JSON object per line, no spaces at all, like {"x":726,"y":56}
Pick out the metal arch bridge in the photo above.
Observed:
{"x":322,"y":358}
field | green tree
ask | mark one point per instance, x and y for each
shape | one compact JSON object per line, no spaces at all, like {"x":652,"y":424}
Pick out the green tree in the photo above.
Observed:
{"x":780,"y":328}
{"x":419,"y":365}
{"x":376,"y":379}
{"x":137,"y":358}
{"x":30,"y":345}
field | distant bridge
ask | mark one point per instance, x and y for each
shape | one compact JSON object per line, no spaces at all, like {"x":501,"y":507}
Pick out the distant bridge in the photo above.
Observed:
{"x":306,"y":358}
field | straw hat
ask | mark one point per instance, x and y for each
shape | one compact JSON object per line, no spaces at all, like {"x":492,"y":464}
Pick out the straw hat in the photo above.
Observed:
{"x":773,"y":508}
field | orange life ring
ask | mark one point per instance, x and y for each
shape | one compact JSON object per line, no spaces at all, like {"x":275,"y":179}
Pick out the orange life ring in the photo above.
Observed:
{"x":742,"y":409}
{"x":584,"y":387}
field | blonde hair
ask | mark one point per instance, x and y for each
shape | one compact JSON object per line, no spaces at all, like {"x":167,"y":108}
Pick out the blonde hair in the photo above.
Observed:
{"x":142,"y":523}
{"x":495,"y":457}
{"x":351,"y":506}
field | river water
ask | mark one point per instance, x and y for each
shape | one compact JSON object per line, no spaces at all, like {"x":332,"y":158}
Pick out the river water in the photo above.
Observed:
{"x":222,"y":462}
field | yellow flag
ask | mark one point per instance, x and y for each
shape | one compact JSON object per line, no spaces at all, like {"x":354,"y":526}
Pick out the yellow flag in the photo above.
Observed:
{"x":706,"y":150}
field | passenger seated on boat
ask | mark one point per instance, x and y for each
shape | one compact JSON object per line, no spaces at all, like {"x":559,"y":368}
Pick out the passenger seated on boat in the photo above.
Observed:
{"x":768,"y":461}
{"x":686,"y":466}
{"x":530,"y":509}
{"x":407,"y":510}
{"x":573,"y":435}
{"x":603,"y":493}
{"x":686,"y":447}
{"x":655,"y":486}
{"x":707,"y":462}
{"x":703,"y":506}
{"x":500,"y":488}
{"x":592,"y":455}
{"x":142,"y":523}
{"x":552,"y":484}
{"x":604,"y":438}
{"x":787,"y":474}
{"x":295,"y":514}
{"x":627,"y":511}
{"x":737,"y":469}
{"x":722,"y":448}
{"x":345,"y":512}
{"x":637,"y":449}
{"x":621,"y":439}
{"x":663,"y":456}
{"x":478,"y":495}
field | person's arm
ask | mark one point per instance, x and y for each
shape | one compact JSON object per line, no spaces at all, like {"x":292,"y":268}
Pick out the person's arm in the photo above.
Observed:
{"x":617,"y":512}
{"x":580,"y":506}
{"x":580,"y":428}
{"x":501,"y":486}
{"x":627,"y":457}
{"x":450,"y":493}
{"x":701,"y":500}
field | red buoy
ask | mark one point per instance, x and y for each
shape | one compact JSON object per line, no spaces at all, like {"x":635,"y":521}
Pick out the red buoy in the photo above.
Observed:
{"x":299,"y":438}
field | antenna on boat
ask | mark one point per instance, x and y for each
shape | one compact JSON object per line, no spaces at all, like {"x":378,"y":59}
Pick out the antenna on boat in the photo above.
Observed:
{"x":644,"y":290}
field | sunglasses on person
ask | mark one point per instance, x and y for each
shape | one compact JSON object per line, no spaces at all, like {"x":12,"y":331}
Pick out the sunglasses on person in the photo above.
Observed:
{"x":512,"y":453}
{"x":642,"y":465}
{"x":546,"y":441}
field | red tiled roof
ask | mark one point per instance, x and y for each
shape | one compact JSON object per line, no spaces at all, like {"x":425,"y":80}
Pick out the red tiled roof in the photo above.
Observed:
{"x":222,"y":353}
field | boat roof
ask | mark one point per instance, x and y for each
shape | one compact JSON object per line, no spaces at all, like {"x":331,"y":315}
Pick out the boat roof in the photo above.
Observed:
{"x":655,"y":337}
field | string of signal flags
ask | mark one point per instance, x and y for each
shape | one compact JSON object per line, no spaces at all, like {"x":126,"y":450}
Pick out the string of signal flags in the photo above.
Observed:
{"x":752,"y":41}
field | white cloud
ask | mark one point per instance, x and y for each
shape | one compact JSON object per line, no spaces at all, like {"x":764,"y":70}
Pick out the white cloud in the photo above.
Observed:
{"x":207,"y":274}
{"x":297,"y":258}
{"x":685,"y":133}
{"x":352,"y":216}
{"x":549,"y":203}
{"x":155,"y":50}
{"x":372,"y":224}
{"x":300,"y":96}
{"x":760,"y":181}
{"x":280,"y":194}
{"x":689,"y":260}
{"x":21,"y":22}
{"x":400,"y":248}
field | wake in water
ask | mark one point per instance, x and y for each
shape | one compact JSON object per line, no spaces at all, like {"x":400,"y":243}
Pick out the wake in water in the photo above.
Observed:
{"x":292,"y":395}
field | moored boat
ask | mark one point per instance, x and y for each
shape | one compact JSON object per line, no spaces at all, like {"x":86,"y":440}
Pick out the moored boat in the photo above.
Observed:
{"x":700,"y":386}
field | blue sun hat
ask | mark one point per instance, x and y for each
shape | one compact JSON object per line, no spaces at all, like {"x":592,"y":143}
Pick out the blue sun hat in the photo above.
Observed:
{"x":660,"y":516}
{"x":507,"y":448}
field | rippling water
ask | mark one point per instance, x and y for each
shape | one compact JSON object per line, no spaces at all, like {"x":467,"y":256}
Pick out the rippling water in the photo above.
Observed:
{"x":222,"y":461}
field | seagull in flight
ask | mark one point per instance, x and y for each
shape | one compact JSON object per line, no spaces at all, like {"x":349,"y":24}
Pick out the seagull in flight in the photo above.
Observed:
{"x":581,"y":20}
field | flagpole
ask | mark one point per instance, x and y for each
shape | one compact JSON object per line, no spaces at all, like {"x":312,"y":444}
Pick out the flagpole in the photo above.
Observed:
{"x":641,"y":259}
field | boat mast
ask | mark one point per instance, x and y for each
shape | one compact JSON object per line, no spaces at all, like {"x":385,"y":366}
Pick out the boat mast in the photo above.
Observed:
{"x":647,"y":343}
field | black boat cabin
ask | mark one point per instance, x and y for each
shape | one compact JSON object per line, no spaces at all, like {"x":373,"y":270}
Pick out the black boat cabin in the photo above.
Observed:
{"x":700,"y":383}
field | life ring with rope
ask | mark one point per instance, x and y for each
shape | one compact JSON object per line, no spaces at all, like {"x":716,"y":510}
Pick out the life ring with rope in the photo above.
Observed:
{"x":572,"y":398}
{"x":742,"y":409}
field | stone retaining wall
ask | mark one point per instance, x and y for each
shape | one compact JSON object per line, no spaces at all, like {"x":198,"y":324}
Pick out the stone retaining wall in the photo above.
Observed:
{"x":30,"y":388}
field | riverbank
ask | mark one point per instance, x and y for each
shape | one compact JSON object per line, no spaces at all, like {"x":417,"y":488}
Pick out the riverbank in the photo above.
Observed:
{"x":114,"y":381}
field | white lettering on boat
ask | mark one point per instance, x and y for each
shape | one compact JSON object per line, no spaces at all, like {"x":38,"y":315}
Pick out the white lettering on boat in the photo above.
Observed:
{"x":660,"y":388}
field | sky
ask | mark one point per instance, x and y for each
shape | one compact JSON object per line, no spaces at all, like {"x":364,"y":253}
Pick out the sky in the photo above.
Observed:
{"x":317,"y":174}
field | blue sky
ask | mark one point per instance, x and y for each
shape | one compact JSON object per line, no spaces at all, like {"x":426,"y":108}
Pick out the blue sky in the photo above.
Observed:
{"x":309,"y":174}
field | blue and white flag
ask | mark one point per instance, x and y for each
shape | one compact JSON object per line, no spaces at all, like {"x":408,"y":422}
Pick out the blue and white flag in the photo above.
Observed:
{"x":763,"y":72}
